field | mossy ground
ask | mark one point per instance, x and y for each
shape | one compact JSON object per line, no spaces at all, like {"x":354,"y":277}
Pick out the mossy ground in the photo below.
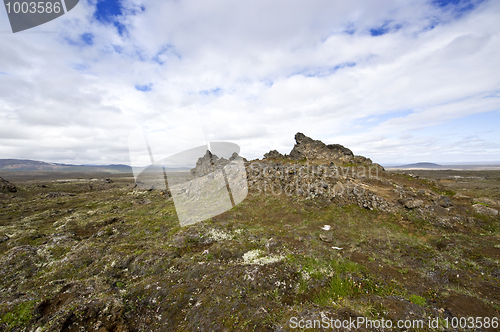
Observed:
{"x":112,"y":258}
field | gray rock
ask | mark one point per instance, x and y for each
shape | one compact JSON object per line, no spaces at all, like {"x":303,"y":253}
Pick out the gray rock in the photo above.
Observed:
{"x":444,"y":201}
{"x":308,"y":148}
{"x":144,"y":201}
{"x":209,"y":163}
{"x":363,"y":160}
{"x":6,"y":186}
{"x":326,"y":237}
{"x":273,"y":154}
{"x":3,"y":238}
{"x":342,"y":149}
{"x":438,"y":211}
{"x":413,"y":203}
{"x":481,"y":209}
{"x":487,"y":201}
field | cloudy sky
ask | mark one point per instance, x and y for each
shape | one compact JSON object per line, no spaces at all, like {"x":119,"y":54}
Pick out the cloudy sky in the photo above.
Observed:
{"x":396,"y":81}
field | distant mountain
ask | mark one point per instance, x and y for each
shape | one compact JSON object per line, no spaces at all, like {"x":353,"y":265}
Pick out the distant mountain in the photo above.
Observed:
{"x":7,"y":165}
{"x":424,"y":165}
{"x":458,"y":166}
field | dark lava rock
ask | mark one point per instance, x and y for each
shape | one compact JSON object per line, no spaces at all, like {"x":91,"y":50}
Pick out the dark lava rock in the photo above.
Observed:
{"x":273,"y":154}
{"x":6,"y":186}
{"x":144,"y":201}
{"x":340,"y":149}
{"x":3,"y":238}
{"x":209,"y":163}
{"x":306,"y":147}
{"x":364,"y":160}
{"x":444,"y":202}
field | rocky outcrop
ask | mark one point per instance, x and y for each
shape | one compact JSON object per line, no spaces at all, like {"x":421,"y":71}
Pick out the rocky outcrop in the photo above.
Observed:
{"x":340,"y":149}
{"x":333,"y":184}
{"x":363,"y":160}
{"x":6,"y":186}
{"x":306,"y":148}
{"x":485,"y":210}
{"x":209,"y":163}
{"x":273,"y":154}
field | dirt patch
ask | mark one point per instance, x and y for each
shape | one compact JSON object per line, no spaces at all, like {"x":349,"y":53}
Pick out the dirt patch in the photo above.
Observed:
{"x":491,"y":252}
{"x":49,"y":307}
{"x":399,"y":308}
{"x":467,"y":306}
{"x":488,"y":291}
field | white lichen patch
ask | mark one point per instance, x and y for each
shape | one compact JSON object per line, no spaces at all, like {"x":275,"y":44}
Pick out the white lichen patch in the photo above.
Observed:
{"x":218,"y":235}
{"x":256,"y":256}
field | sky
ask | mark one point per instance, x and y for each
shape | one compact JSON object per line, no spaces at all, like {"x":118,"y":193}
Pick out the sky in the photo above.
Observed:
{"x":396,"y":81}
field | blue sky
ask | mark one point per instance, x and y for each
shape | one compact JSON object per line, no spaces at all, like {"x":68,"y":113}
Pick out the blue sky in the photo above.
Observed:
{"x":398,"y":82}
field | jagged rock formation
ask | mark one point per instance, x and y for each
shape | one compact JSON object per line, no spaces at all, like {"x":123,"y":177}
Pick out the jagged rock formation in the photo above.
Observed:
{"x":6,"y":186}
{"x":209,"y":163}
{"x":309,"y":149}
{"x":217,"y":185}
{"x":273,"y":154}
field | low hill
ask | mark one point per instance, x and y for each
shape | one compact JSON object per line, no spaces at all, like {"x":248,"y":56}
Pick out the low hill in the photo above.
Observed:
{"x":7,"y":165}
{"x":421,"y":165}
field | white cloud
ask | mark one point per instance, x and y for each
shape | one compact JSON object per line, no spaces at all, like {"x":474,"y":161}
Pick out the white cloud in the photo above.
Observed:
{"x":259,"y":71}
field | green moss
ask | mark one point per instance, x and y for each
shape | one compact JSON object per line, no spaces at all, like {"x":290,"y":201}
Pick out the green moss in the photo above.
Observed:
{"x":19,"y":316}
{"x":417,"y":300}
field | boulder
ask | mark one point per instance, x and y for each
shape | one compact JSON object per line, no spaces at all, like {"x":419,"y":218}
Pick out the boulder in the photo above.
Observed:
{"x":444,"y":202}
{"x":3,"y":238}
{"x":481,"y":209}
{"x":487,"y":201}
{"x":413,"y":203}
{"x":6,"y":186}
